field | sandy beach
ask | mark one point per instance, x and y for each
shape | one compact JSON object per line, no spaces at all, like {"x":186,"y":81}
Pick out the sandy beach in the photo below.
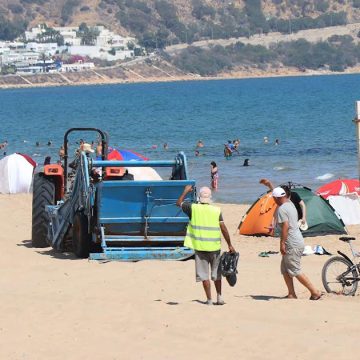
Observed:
{"x":54,"y":306}
{"x":91,"y":78}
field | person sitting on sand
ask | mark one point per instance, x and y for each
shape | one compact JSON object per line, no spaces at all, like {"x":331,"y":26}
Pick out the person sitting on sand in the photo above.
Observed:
{"x":291,"y":245}
{"x":204,"y":236}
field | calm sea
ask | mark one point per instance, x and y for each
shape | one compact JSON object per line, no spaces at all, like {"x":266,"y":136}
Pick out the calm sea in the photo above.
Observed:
{"x":311,"y":116}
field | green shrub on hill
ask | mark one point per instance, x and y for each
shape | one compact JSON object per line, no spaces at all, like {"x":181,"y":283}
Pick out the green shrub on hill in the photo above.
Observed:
{"x":201,"y":10}
{"x":10,"y":30}
{"x":203,"y":62}
{"x":255,"y":16}
{"x":169,"y":18}
{"x":68,"y":9}
{"x":337,"y":54}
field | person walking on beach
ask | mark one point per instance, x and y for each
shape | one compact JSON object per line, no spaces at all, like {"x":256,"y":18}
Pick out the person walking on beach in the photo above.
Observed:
{"x":214,"y":174}
{"x":291,"y":245}
{"x":204,"y":236}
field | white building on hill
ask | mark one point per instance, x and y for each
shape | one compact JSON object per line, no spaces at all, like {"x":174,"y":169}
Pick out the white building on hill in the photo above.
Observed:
{"x":34,"y":33}
{"x":48,"y":49}
{"x":79,"y":66}
{"x":12,"y":58}
{"x":100,"y":52}
{"x":69,"y":34}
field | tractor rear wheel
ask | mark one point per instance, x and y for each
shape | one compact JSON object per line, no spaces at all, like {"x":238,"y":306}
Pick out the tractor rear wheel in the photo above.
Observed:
{"x":43,"y":194}
{"x":81,"y":239}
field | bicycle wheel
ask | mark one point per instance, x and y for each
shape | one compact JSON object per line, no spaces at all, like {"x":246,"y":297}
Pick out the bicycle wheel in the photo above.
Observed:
{"x":339,"y":277}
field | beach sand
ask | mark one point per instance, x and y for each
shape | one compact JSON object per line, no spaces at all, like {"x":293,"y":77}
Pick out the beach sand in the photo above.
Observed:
{"x":237,"y":74}
{"x":54,"y":306}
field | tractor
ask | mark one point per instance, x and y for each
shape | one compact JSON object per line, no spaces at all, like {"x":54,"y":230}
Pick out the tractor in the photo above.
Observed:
{"x":94,"y":210}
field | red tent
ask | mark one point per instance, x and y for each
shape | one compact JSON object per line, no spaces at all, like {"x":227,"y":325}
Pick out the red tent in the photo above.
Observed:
{"x":339,"y":187}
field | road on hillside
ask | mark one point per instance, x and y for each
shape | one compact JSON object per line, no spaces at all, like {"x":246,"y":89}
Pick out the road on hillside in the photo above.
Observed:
{"x":312,"y":35}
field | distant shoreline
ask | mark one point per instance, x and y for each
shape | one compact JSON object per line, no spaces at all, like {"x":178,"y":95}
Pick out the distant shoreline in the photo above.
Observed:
{"x":248,"y":74}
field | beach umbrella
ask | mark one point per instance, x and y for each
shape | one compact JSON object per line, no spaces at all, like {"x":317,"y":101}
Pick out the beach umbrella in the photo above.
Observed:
{"x":126,"y":155}
{"x":339,"y":187}
{"x":139,"y":173}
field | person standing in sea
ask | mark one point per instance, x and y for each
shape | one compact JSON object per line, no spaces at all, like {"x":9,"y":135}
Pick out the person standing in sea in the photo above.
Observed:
{"x":291,"y":245}
{"x":214,"y":174}
{"x":200,"y":144}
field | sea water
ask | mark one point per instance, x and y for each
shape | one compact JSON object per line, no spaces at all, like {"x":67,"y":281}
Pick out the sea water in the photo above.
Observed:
{"x":311,"y":117}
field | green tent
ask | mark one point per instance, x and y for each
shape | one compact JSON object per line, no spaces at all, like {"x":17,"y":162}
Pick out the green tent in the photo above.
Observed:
{"x":320,"y":215}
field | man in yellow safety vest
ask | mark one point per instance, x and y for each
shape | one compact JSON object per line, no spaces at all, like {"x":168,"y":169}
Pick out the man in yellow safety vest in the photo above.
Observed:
{"x":204,"y":236}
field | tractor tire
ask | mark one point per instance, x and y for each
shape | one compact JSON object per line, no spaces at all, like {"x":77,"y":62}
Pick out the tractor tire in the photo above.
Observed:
{"x":81,"y":239}
{"x":43,"y":194}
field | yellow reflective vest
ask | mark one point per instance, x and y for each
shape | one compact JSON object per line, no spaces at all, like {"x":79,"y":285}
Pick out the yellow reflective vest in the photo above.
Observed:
{"x":203,"y":232}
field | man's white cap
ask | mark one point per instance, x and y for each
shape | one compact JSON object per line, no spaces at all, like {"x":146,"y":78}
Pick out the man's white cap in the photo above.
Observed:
{"x":278,"y":192}
{"x":205,"y":195}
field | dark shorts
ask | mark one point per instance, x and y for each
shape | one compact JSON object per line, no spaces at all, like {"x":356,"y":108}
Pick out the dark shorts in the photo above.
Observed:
{"x":205,"y":260}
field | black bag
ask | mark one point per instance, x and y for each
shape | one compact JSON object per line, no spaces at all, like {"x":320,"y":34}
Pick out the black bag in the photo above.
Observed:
{"x":228,"y":266}
{"x":228,"y":263}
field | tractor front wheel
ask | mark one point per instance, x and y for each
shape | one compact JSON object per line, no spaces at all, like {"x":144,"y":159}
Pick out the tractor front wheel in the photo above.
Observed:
{"x":81,"y":239}
{"x":43,"y":195}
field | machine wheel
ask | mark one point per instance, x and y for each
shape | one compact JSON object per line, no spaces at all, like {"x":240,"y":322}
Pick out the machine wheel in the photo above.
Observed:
{"x":81,"y":239}
{"x":43,"y":194}
{"x":339,"y":277}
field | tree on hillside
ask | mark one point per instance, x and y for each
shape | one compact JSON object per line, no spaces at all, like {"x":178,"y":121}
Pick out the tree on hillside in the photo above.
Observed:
{"x":50,"y":35}
{"x":10,"y":30}
{"x":87,"y":34}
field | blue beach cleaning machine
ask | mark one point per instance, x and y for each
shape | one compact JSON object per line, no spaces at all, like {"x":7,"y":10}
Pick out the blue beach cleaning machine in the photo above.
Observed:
{"x":108,"y":216}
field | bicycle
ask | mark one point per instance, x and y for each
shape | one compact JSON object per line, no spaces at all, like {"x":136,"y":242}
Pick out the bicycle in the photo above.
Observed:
{"x":340,"y":275}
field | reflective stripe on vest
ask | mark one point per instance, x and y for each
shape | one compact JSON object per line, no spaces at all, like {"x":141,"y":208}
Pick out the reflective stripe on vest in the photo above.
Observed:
{"x":203,"y":232}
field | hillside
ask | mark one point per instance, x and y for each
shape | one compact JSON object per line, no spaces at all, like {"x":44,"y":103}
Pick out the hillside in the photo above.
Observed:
{"x":203,"y":38}
{"x":158,"y":23}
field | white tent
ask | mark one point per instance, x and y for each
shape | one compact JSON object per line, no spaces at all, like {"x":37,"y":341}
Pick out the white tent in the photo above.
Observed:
{"x":144,"y":173}
{"x":347,"y":206}
{"x":15,"y":174}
